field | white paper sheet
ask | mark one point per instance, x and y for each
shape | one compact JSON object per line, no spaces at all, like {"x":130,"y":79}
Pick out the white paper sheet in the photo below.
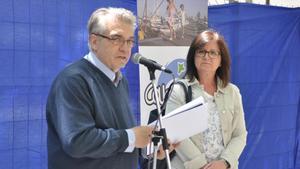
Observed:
{"x":186,"y":121}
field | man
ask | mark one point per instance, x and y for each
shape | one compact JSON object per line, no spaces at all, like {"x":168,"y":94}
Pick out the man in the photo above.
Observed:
{"x":90,"y":123}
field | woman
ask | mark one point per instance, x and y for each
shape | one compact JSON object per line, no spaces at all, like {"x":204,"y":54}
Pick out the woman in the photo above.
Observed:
{"x":208,"y":73}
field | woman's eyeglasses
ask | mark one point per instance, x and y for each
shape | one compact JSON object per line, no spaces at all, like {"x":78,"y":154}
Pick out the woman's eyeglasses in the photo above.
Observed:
{"x":212,"y":53}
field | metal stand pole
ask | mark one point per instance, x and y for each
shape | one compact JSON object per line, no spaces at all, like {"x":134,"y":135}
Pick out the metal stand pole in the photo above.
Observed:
{"x":162,"y":132}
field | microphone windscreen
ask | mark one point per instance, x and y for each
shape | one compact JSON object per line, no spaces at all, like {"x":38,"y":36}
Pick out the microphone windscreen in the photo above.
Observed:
{"x":135,"y":58}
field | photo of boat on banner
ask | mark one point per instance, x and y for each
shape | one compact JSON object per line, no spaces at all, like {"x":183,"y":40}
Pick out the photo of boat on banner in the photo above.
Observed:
{"x":170,"y":22}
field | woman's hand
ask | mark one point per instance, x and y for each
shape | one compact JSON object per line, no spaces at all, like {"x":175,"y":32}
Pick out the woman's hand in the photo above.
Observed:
{"x":219,"y":164}
{"x":161,"y":153}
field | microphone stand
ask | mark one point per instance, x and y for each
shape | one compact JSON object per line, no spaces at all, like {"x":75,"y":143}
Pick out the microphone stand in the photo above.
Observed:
{"x":161,"y":134}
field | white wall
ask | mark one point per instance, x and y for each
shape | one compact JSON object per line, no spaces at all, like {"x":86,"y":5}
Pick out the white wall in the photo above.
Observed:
{"x":285,"y":3}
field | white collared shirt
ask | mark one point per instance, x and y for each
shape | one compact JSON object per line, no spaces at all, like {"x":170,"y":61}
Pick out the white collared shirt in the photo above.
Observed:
{"x":91,"y":57}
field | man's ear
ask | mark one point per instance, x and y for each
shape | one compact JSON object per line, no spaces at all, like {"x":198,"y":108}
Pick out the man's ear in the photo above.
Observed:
{"x":93,"y":42}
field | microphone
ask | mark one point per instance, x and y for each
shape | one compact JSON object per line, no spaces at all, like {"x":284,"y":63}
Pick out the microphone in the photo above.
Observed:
{"x":138,"y":58}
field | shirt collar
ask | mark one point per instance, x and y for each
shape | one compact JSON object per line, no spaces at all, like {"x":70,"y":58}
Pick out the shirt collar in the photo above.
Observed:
{"x":220,"y":87}
{"x":114,"y":77}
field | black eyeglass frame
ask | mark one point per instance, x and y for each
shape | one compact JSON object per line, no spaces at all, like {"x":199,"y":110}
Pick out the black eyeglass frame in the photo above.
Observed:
{"x":117,"y":40}
{"x":212,"y":53}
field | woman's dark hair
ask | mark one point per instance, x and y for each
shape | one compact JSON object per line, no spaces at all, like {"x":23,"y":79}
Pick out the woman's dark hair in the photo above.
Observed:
{"x":223,"y":72}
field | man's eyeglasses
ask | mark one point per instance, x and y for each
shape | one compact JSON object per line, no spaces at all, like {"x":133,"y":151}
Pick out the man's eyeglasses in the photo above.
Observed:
{"x":117,"y":40}
{"x":212,"y":53}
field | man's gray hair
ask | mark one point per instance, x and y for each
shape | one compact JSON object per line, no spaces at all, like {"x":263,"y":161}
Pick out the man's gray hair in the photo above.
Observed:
{"x":98,"y":20}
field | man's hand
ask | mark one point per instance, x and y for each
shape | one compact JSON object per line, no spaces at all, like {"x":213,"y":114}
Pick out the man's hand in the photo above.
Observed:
{"x":142,"y":136}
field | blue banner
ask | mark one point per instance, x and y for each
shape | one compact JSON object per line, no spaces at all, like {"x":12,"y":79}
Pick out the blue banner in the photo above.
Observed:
{"x":264,"y":42}
{"x":37,"y":40}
